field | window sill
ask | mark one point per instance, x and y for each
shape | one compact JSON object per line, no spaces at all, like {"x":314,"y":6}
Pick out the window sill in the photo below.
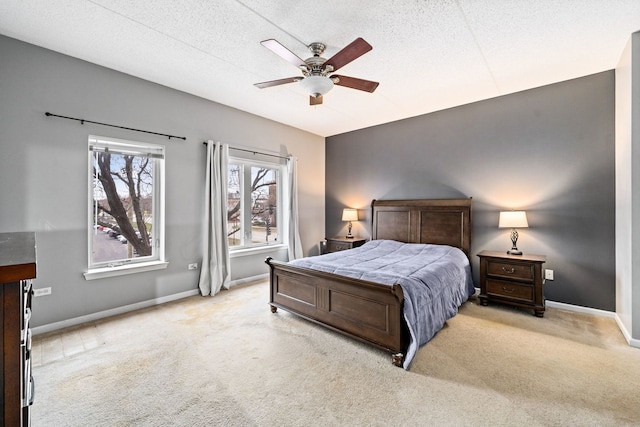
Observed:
{"x":100,"y":273}
{"x":256,"y":251}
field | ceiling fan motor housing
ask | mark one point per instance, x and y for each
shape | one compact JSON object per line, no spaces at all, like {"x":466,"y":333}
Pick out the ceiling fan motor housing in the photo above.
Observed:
{"x":316,"y":67}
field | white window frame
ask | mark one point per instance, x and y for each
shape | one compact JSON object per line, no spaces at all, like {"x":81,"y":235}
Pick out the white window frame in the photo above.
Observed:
{"x":245,"y":204}
{"x":139,"y":264}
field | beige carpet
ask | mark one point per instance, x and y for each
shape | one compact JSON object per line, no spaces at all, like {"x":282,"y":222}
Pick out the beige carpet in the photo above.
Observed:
{"x":228,"y":361}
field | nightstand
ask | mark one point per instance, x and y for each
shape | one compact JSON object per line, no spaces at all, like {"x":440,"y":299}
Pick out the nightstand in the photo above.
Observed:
{"x":335,"y":244}
{"x":512,"y":279}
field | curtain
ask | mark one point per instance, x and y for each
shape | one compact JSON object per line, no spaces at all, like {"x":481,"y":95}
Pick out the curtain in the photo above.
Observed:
{"x":295,"y":246}
{"x":214,"y":274}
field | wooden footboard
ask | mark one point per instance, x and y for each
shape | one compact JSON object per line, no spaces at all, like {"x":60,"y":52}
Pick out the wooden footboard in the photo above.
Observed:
{"x":367,"y":311}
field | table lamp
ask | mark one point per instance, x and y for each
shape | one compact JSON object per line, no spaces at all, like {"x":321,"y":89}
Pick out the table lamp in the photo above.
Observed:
{"x":513,"y":220}
{"x":349,"y":215}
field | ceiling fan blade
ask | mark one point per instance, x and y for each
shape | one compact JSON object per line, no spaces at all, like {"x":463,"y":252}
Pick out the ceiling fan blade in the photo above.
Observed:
{"x":277,"y":48}
{"x":315,"y":100}
{"x":354,"y":50}
{"x":263,"y":85}
{"x":354,"y":83}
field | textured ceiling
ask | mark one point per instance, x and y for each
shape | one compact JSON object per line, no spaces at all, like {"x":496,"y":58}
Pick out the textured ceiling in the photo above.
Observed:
{"x":427,"y":55}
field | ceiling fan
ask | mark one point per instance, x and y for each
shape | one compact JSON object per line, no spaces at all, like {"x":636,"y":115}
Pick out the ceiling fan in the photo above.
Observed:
{"x":317,"y":79}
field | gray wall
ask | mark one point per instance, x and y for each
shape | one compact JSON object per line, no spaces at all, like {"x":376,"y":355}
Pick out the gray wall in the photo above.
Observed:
{"x":549,"y":151}
{"x":44,"y":167}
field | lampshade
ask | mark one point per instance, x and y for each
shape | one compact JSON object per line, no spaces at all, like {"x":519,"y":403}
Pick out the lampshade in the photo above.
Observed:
{"x":350,"y":215}
{"x":513,"y":219}
{"x":316,"y":85}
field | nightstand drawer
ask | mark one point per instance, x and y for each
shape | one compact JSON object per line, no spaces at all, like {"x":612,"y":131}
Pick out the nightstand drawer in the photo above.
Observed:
{"x":333,"y":246}
{"x":510,"y":270}
{"x":509,"y":290}
{"x":336,"y":244}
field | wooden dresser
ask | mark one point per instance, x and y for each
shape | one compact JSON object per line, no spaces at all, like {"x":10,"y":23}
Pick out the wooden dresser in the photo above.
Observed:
{"x":512,"y":279}
{"x":17,"y":268}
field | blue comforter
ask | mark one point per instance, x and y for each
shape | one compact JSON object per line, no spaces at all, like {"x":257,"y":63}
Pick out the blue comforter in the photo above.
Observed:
{"x":435,"y":280}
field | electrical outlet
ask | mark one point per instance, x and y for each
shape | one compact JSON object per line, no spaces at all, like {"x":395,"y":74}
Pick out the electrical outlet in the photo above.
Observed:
{"x":193,"y":266}
{"x":548,"y":274}
{"x":42,"y":291}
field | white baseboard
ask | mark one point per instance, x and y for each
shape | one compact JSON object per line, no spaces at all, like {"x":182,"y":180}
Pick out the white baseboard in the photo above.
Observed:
{"x":149,"y":303}
{"x":131,"y":307}
{"x":249,"y":279}
{"x":594,"y":312}
{"x":580,"y":309}
{"x":111,"y":312}
{"x":627,"y":336}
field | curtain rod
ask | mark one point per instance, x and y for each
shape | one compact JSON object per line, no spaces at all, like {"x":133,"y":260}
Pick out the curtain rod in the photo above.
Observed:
{"x":82,"y":121}
{"x":253,"y":152}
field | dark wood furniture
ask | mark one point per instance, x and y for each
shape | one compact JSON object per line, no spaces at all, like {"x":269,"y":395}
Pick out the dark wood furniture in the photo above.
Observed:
{"x":371,"y":312}
{"x":512,"y":279}
{"x":17,"y":268}
{"x":335,"y":244}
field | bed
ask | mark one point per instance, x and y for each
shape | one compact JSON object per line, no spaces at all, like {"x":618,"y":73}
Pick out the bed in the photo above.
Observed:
{"x":381,"y":312}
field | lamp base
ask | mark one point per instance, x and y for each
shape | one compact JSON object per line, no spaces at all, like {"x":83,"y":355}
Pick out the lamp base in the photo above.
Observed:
{"x":514,"y":240}
{"x":349,"y":235}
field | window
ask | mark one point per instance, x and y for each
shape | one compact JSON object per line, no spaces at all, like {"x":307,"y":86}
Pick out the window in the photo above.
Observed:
{"x":254,"y":204}
{"x":126,"y":203}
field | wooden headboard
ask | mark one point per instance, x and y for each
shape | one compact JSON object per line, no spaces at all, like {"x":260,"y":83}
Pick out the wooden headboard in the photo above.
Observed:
{"x":437,"y":221}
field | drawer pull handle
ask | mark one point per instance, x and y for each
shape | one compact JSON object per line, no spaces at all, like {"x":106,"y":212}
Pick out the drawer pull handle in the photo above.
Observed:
{"x":508,"y":291}
{"x":510,"y":270}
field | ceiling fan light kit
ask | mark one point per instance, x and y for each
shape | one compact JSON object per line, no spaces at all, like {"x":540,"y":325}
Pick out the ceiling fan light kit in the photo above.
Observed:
{"x":316,"y":85}
{"x":316,"y":80}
